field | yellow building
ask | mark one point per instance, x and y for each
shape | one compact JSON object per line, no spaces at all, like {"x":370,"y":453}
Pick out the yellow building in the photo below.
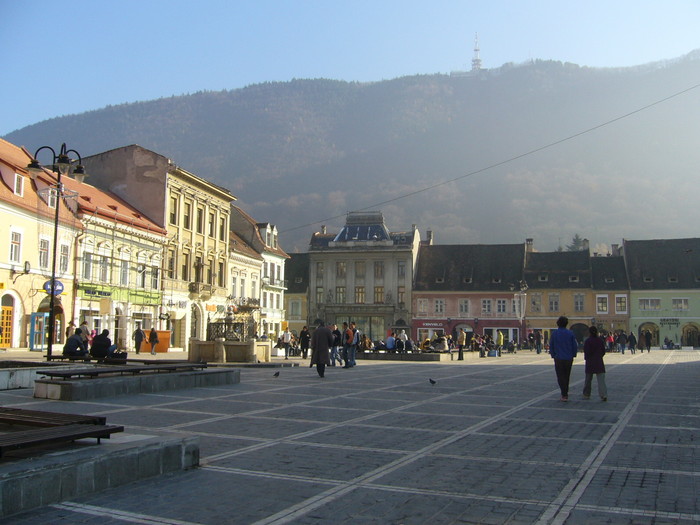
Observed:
{"x":196,"y":215}
{"x":26,"y":257}
{"x":559,"y":283}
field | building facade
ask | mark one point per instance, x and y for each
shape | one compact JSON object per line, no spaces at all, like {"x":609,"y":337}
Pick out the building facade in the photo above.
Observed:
{"x":472,"y":287}
{"x":611,"y":294}
{"x":364,"y":274}
{"x":296,"y":298}
{"x":196,"y":215}
{"x":245,"y":269}
{"x":263,"y":238}
{"x":28,"y":207}
{"x":664,"y":280}
{"x":559,"y":283}
{"x":119,"y":256}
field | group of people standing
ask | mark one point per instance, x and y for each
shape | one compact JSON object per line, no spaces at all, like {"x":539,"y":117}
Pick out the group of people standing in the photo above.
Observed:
{"x":620,"y":341}
{"x":330,"y":344}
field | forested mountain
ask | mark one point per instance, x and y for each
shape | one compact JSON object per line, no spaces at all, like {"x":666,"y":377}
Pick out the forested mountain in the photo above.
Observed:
{"x":309,"y":151}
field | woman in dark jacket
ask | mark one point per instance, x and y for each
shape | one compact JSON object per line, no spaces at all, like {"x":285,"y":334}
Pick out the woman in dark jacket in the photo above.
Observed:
{"x":304,"y":340}
{"x":593,"y":351}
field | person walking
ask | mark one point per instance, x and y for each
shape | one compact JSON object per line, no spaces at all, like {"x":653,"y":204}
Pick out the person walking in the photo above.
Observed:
{"x":563,"y":349}
{"x":632,"y":342}
{"x":647,"y":340}
{"x":335,"y":350}
{"x":622,"y":341}
{"x":287,"y":342}
{"x":304,"y":339}
{"x":153,"y":339}
{"x":321,"y":342}
{"x":593,"y":352}
{"x":139,"y":336}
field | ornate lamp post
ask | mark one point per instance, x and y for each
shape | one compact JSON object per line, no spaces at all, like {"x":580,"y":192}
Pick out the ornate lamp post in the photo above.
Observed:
{"x":61,"y":164}
{"x":520,"y":296}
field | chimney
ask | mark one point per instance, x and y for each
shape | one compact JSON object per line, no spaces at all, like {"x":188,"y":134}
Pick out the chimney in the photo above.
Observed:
{"x":323,"y":228}
{"x":529,"y":245}
{"x":585,"y":245}
{"x":615,"y":249}
{"x":429,"y":235}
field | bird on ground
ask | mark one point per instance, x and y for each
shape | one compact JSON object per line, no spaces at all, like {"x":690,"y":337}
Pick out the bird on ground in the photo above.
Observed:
{"x":432,"y":381}
{"x":276,"y":374}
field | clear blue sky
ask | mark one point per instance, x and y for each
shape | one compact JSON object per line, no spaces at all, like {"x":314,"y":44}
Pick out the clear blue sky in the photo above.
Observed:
{"x":71,"y":56}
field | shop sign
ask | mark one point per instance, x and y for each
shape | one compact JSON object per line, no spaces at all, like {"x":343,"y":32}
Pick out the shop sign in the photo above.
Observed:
{"x":97,"y":293}
{"x":670,"y":321}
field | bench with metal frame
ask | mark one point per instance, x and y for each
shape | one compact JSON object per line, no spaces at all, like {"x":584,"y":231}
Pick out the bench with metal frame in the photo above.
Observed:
{"x":121,"y":370}
{"x":40,"y":418}
{"x":55,"y":434}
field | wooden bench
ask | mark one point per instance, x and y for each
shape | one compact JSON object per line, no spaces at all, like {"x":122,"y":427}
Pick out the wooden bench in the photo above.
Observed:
{"x":39,"y":418}
{"x":55,"y":434}
{"x":121,"y":370}
{"x":61,"y":357}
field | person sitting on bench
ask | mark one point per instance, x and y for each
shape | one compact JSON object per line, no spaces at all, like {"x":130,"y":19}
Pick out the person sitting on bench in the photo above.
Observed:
{"x":102,"y":346}
{"x":75,"y":346}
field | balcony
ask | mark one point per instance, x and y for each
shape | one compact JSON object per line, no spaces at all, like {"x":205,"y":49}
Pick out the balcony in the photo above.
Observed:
{"x":245,"y":304}
{"x":276,"y":283}
{"x":203,"y":290}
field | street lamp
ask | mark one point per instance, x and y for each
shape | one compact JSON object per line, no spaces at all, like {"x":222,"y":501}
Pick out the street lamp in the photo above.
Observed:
{"x":61,"y":164}
{"x":521,"y":296}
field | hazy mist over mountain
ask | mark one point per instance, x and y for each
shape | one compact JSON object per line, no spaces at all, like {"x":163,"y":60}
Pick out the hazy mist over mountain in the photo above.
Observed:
{"x":309,"y":151}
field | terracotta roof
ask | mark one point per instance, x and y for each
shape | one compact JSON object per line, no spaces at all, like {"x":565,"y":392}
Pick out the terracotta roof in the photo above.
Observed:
{"x":237,"y":244}
{"x":14,"y":159}
{"x":256,"y":232}
{"x":469,"y":267}
{"x":663,"y":264}
{"x":106,"y":205}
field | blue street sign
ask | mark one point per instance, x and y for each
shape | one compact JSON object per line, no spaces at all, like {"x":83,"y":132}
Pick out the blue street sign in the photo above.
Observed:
{"x":58,"y":287}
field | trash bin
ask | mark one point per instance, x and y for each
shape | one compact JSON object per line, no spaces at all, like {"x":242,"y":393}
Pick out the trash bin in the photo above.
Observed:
{"x":163,"y":341}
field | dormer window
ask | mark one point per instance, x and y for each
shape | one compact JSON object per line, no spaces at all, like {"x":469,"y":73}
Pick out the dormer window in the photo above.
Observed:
{"x":543,"y":277}
{"x":573,"y":278}
{"x":439,"y":280}
{"x":496,"y":280}
{"x":609,"y":280}
{"x":648,"y":279}
{"x":672,"y":278}
{"x":467,"y":280}
{"x":19,"y":185}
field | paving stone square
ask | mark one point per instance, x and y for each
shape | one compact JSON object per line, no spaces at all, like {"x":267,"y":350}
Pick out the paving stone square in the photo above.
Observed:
{"x":489,"y":443}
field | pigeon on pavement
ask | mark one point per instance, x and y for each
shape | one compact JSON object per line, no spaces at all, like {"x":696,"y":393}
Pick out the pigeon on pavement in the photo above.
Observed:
{"x":432,"y":381}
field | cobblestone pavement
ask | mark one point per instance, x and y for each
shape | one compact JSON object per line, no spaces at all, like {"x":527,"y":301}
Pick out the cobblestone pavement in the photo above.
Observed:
{"x":490,"y":442}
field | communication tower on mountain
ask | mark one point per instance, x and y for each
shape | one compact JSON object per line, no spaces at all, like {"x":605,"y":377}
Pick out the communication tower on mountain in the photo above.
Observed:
{"x":476,"y":61}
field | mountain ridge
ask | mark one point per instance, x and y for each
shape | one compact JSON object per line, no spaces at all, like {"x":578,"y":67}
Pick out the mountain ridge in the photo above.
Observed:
{"x":308,"y":151}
